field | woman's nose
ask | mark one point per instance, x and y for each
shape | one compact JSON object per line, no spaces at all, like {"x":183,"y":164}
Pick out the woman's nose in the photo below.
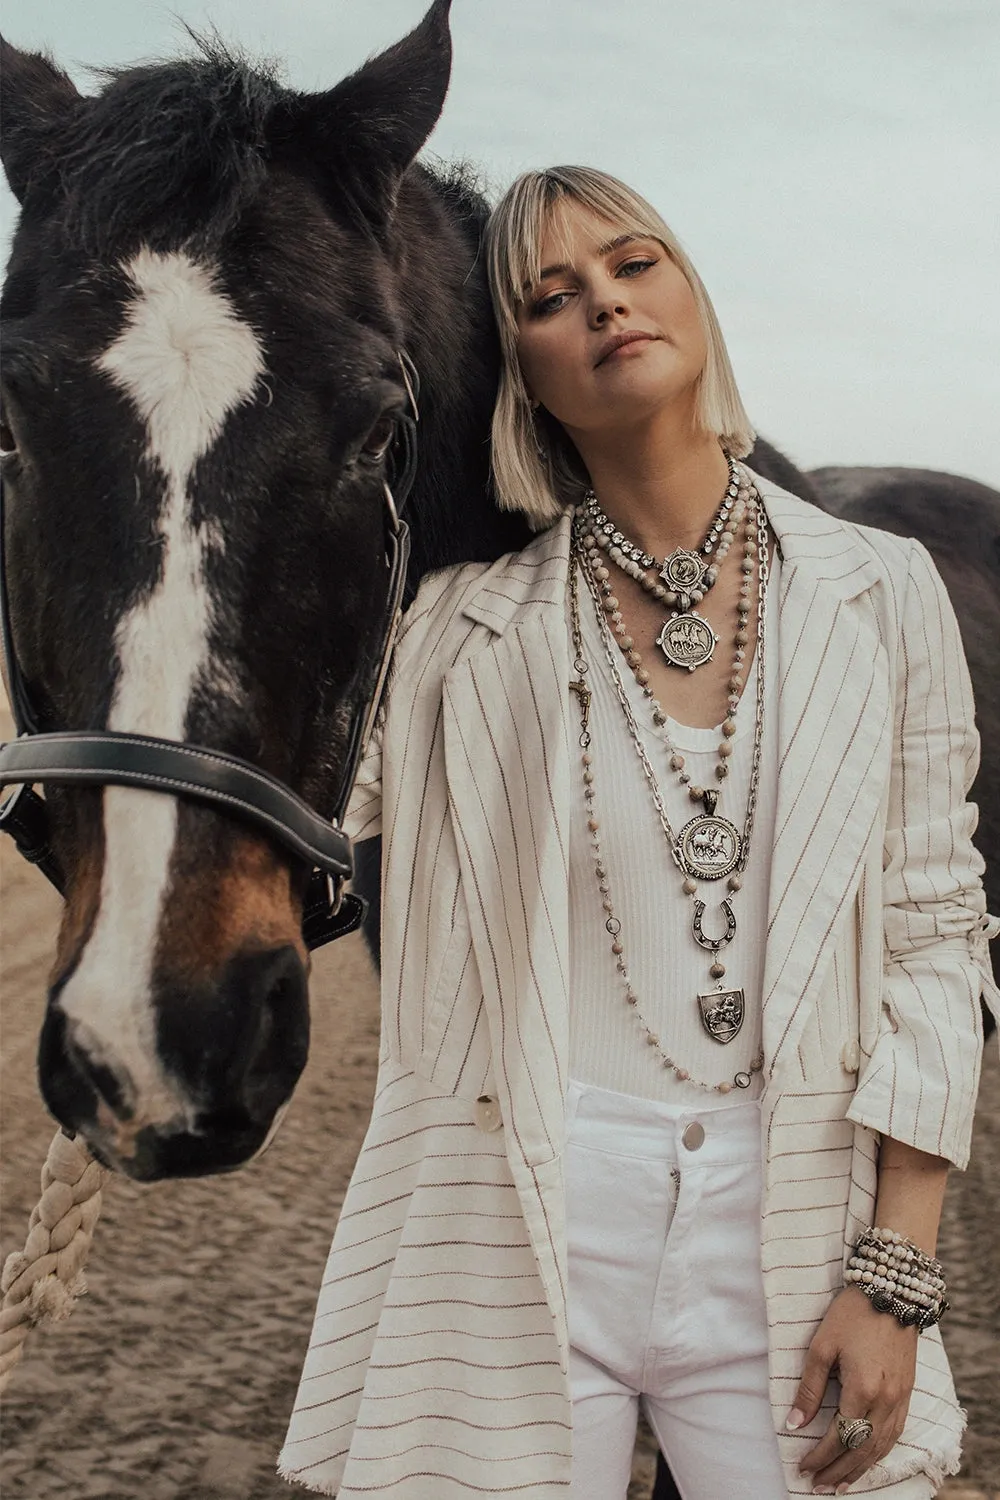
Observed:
{"x":605,"y":306}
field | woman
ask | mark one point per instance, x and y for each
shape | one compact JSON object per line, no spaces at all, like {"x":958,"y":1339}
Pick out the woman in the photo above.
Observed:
{"x":633,"y":1139}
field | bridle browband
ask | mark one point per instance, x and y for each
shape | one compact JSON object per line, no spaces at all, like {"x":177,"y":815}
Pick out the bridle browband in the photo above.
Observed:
{"x":232,"y":785}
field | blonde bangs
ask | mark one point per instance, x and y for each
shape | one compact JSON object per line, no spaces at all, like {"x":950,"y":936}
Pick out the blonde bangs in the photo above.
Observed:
{"x":541,"y":483}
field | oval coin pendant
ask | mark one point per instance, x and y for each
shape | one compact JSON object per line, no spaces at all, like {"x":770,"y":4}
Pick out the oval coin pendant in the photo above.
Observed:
{"x":710,"y":846}
{"x":687,"y":641}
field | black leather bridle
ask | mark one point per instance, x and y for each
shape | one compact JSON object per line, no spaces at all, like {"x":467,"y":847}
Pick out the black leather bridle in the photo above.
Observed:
{"x":232,"y":785}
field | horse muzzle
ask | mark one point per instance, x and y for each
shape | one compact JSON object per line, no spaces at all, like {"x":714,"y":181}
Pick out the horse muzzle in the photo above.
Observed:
{"x":200,"y":1089}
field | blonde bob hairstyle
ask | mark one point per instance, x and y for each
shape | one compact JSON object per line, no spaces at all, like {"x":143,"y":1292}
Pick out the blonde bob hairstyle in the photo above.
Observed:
{"x":536,"y":468}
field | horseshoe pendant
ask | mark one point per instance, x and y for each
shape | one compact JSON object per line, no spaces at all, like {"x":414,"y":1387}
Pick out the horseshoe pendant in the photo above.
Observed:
{"x":713,"y":944}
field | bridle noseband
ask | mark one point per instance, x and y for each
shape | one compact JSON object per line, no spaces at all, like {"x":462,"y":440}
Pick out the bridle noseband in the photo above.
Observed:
{"x":232,"y":785}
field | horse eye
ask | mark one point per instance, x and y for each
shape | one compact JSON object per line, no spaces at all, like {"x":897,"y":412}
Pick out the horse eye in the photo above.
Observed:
{"x":376,"y":443}
{"x":8,"y":443}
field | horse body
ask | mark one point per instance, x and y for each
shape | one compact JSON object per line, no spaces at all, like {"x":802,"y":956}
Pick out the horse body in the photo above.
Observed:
{"x":210,"y":287}
{"x":958,"y":521}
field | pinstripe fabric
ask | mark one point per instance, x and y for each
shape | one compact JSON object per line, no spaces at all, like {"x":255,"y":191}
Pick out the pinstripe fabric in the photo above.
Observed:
{"x":437,"y":1364}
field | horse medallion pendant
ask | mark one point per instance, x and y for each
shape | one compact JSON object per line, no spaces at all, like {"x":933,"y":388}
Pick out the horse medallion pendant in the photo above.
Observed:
{"x":710,"y":846}
{"x":683,"y":571}
{"x":687,"y":641}
{"x":722,"y":1013}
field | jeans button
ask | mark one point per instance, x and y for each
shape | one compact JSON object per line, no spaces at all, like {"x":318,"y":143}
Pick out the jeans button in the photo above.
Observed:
{"x":693,"y":1135}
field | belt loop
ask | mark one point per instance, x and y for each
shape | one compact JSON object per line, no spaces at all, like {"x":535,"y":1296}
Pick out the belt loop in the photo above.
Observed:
{"x":573,"y":1096}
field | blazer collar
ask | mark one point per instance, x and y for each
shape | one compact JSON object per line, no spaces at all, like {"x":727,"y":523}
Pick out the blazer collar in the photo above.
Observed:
{"x":832,"y":551}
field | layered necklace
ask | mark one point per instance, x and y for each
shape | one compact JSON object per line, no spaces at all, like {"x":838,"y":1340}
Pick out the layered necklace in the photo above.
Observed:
{"x":681,"y":580}
{"x":709,"y":847}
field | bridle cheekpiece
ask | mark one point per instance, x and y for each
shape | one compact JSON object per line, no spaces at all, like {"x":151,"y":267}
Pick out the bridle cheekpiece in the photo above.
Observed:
{"x":226,"y":782}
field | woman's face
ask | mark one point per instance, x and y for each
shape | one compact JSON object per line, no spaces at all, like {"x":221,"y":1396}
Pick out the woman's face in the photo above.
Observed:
{"x":596,"y":285}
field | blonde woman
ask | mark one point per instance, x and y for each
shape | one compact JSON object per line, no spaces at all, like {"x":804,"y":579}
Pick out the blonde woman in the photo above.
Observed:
{"x":683,"y":944}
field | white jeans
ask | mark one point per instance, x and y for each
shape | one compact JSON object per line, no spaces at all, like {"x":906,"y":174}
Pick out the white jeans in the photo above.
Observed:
{"x":666,"y":1302}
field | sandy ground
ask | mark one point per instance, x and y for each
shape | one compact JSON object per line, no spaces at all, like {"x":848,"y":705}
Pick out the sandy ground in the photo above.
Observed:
{"x":174,"y":1378}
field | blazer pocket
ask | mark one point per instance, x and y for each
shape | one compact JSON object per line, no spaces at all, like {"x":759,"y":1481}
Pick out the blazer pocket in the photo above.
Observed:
{"x":457,"y":1054}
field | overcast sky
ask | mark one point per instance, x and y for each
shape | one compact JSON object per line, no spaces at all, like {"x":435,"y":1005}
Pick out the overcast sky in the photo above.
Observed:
{"x":831,"y":165}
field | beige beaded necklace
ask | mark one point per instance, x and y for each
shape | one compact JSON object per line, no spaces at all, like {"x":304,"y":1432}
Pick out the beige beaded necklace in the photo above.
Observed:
{"x":707,"y":848}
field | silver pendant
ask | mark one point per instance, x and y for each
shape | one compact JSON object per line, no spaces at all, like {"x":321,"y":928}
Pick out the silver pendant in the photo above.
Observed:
{"x":683,"y":571}
{"x":722,"y":1013}
{"x":710,"y":846}
{"x":687,"y":641}
{"x":713,"y":944}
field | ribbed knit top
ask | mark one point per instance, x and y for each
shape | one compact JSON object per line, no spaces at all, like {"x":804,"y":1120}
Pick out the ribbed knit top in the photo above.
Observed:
{"x":668,"y":967}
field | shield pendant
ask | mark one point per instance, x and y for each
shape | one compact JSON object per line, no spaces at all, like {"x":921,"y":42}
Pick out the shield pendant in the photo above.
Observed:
{"x":722,"y":1014}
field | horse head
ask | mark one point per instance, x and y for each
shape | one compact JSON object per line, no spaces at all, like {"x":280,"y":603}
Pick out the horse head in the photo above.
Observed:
{"x":211,"y":283}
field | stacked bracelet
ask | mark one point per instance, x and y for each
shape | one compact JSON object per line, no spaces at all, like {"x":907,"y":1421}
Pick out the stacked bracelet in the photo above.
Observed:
{"x":897,"y":1277}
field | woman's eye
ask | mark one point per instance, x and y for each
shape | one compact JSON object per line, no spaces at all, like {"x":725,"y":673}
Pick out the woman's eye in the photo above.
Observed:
{"x":550,"y":304}
{"x":636,"y":266}
{"x":377,"y":442}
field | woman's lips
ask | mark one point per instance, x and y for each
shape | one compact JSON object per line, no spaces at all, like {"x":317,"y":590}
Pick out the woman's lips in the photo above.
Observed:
{"x":621,"y":341}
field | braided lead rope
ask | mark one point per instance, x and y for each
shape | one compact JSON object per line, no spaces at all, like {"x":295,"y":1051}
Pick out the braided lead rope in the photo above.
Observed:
{"x":41,"y":1282}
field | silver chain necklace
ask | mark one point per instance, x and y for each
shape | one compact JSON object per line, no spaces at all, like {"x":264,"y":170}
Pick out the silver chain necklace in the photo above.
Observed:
{"x":709,"y":846}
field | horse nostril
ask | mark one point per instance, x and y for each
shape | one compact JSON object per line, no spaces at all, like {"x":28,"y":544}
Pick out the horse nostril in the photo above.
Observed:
{"x":278,"y":1053}
{"x":237,"y":1049}
{"x":103,"y":1079}
{"x":74,"y":1080}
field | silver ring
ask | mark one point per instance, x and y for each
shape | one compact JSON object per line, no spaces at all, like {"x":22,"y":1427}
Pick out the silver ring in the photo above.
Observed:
{"x":853,"y":1432}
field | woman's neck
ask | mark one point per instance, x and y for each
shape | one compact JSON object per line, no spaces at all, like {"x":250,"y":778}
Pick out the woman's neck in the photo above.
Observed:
{"x":662,"y":493}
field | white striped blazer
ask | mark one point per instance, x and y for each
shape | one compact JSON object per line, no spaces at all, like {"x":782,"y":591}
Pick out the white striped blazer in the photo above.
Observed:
{"x":437,"y":1365}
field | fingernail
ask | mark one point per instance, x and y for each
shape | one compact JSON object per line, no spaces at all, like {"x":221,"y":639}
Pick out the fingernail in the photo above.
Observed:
{"x":795,"y":1419}
{"x":842,"y":1489}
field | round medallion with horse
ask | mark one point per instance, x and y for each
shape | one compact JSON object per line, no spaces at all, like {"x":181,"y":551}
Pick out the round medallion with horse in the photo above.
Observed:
{"x":687,"y":641}
{"x":683,"y":570}
{"x":710,"y":846}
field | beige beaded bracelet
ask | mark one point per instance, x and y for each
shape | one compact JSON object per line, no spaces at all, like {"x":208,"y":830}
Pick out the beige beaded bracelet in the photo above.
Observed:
{"x":898,"y":1277}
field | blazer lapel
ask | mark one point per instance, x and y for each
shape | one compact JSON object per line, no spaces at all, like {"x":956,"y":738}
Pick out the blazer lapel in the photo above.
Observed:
{"x":507,"y":758}
{"x":834,"y":720}
{"x":506,"y":739}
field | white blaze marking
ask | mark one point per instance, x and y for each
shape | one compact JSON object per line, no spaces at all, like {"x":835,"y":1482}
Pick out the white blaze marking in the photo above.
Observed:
{"x":185,"y":360}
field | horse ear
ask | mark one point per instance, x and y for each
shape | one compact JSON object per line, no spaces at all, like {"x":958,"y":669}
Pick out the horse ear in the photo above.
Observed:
{"x":36,"y":104}
{"x":362,"y":135}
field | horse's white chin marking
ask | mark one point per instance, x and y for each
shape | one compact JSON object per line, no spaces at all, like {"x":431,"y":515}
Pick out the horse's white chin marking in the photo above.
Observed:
{"x":185,"y":361}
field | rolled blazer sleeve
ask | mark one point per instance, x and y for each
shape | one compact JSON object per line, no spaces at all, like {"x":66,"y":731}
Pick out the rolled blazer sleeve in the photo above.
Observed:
{"x":919,"y":1085}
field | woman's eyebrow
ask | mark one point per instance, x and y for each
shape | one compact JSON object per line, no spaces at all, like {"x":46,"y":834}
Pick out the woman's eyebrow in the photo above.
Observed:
{"x":562,"y":267}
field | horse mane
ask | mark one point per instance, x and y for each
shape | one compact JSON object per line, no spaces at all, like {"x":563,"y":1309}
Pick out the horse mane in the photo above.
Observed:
{"x":461,"y":189}
{"x":190,"y":180}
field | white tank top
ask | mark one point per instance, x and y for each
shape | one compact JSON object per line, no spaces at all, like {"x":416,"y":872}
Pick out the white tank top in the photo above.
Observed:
{"x":668,"y":968}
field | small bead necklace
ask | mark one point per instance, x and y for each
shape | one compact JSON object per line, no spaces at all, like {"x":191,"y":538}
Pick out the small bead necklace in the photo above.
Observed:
{"x":686,"y":640}
{"x":685,"y":579}
{"x":722,"y":1011}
